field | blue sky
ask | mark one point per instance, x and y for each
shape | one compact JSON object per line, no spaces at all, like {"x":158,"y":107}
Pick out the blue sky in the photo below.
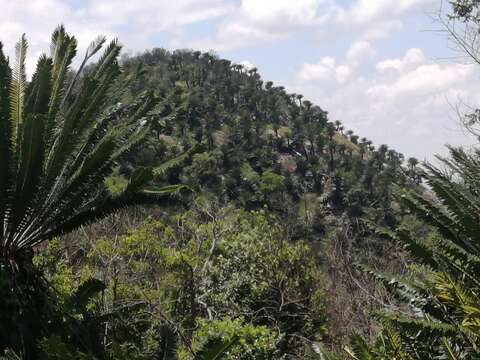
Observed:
{"x":376,"y":65}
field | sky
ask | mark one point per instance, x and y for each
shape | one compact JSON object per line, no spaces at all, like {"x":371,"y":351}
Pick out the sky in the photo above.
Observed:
{"x":382,"y":67}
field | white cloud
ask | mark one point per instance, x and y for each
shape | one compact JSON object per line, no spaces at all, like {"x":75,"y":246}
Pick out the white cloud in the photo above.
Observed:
{"x":412,"y":57}
{"x":236,"y":34}
{"x":262,"y":21}
{"x":406,"y":102}
{"x":256,"y":22}
{"x":360,"y":51}
{"x":154,"y":15}
{"x":278,"y":14}
{"x":134,"y":22}
{"x":377,"y":19}
{"x":326,"y":70}
{"x":368,"y":11}
{"x":379,"y":29}
{"x":425,"y":79}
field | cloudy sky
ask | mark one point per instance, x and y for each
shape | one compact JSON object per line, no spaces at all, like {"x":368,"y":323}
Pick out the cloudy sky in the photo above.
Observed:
{"x":380,"y":66}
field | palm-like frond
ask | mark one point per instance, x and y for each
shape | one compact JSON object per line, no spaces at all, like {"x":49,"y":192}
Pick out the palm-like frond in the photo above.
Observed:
{"x":215,"y":349}
{"x":445,"y":320}
{"x":18,"y":84}
{"x":6,"y":142}
{"x":55,"y":153}
{"x":10,"y":355}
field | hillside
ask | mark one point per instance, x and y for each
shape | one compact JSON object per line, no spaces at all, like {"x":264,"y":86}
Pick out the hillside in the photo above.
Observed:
{"x":262,"y":145}
{"x":176,"y":206}
{"x":264,"y":149}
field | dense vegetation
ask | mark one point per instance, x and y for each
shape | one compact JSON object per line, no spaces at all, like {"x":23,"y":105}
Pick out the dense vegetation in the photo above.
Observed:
{"x":173,"y":205}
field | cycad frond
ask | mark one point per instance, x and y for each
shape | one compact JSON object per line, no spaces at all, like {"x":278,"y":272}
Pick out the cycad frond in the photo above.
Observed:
{"x":359,"y":349}
{"x":18,"y":83}
{"x":6,"y":140}
{"x":445,"y":321}
{"x":55,"y":154}
{"x":215,"y":349}
{"x":63,"y":50}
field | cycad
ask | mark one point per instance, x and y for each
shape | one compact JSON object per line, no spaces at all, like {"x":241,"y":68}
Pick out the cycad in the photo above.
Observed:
{"x":445,"y":305}
{"x":57,"y":145}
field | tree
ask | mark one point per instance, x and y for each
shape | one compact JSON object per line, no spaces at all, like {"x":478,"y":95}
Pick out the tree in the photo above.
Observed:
{"x":461,"y":22}
{"x":462,"y":25}
{"x":58,"y":145}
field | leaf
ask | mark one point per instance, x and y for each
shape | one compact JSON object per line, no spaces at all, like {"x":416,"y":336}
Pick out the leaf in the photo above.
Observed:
{"x":159,"y":171}
{"x":29,"y":174}
{"x":18,"y":84}
{"x":86,"y":291}
{"x":215,"y":349}
{"x":7,"y":148}
{"x":168,"y":343}
{"x":360,"y":349}
{"x":10,"y":355}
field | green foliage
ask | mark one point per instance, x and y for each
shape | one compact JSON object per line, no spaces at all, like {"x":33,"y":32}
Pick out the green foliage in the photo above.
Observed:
{"x":242,"y":341}
{"x":444,"y":307}
{"x":270,"y":182}
{"x":263,"y":146}
{"x":59,"y":142}
{"x":58,"y":146}
{"x":55,"y":349}
{"x":199,"y":282}
{"x":35,"y":319}
{"x":203,"y":271}
{"x":259,"y":272}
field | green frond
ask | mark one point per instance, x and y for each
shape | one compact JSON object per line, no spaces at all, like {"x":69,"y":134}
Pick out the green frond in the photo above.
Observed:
{"x":139,"y":179}
{"x":160,"y":170}
{"x":85,"y":292}
{"x":171,"y":190}
{"x":18,"y":83}
{"x":419,"y":327}
{"x":108,"y":59}
{"x":168,"y":343}
{"x":215,"y":349}
{"x":77,"y":120}
{"x":38,"y":92}
{"x":7,"y":151}
{"x":403,"y":291}
{"x":449,"y":351}
{"x":63,"y":50}
{"x":359,"y":349}
{"x":445,"y":320}
{"x":419,"y":250}
{"x":462,"y":206}
{"x":107,"y":206}
{"x":92,"y":49}
{"x":55,"y":154}
{"x":10,"y":355}
{"x":129,"y":138}
{"x":29,"y":173}
{"x":466,"y":165}
{"x":434,"y":215}
{"x":457,"y":260}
